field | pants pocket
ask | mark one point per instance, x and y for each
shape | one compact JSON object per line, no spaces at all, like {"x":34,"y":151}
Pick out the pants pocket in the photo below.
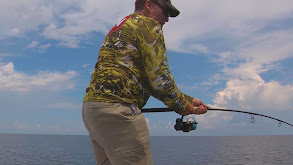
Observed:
{"x":130,"y":111}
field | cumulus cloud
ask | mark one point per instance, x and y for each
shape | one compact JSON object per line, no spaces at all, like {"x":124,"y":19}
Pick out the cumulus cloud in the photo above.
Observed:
{"x":40,"y":48}
{"x":226,"y":20}
{"x":10,"y":80}
{"x":44,"y":48}
{"x":245,"y":94}
{"x":213,"y":120}
{"x":85,"y":65}
{"x":244,"y":37}
{"x":67,"y":21}
{"x":91,"y":16}
{"x":33,"y":44}
{"x":18,"y":17}
{"x":70,"y":21}
{"x":246,"y":89}
{"x":256,"y":46}
{"x":262,"y":49}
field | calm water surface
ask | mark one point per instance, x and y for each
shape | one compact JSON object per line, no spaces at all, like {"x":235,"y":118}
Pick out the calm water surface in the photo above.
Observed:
{"x":77,"y":150}
{"x":254,"y":150}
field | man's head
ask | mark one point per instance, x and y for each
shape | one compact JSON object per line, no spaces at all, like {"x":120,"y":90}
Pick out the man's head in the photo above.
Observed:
{"x":159,"y":10}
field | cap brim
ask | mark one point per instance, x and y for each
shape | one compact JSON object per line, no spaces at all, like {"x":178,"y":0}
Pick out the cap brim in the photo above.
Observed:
{"x":173,"y":11}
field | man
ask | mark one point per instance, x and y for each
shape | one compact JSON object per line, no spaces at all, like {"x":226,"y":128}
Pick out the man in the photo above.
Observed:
{"x":132,"y":66}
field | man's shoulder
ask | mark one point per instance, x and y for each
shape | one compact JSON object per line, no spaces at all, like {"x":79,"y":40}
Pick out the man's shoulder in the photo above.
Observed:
{"x":141,"y":20}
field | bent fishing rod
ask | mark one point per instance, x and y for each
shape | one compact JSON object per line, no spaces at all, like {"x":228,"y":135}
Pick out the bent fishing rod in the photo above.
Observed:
{"x":191,"y":125}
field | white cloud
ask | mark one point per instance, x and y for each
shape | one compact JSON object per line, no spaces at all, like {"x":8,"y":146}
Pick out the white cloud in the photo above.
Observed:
{"x":92,"y":16}
{"x":258,"y":44}
{"x":18,"y":17}
{"x":16,"y":81}
{"x":40,"y":48}
{"x":80,"y":17}
{"x":44,"y":48}
{"x":257,"y":51}
{"x":246,"y":89}
{"x":66,"y":40}
{"x":70,"y":21}
{"x":205,"y":20}
{"x":55,"y":78}
{"x":253,"y":95}
{"x":85,"y":65}
{"x":33,"y":44}
{"x":213,"y":120}
{"x":264,"y":48}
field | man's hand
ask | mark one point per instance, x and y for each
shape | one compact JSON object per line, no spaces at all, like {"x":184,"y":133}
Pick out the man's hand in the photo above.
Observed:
{"x":202,"y":108}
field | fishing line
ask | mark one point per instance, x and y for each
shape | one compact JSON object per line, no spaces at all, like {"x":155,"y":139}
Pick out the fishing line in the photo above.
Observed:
{"x":147,"y":110}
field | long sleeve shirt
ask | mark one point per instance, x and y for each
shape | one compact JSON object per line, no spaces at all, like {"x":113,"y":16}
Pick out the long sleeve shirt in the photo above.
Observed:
{"x":132,"y":66}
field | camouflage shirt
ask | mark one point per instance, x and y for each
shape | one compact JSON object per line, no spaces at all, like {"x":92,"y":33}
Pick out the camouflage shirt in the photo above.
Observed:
{"x":132,"y":66}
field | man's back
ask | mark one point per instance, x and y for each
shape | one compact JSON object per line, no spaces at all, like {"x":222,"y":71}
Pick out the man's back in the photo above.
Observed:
{"x":132,"y":64}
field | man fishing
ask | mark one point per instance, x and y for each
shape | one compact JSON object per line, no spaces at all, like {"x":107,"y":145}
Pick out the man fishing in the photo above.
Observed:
{"x":131,"y":67}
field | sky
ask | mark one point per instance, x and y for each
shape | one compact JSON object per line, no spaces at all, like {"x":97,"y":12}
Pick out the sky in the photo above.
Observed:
{"x":231,"y":54}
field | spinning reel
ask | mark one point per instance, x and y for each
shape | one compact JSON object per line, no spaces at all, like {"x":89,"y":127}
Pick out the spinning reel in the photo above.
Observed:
{"x":185,"y":126}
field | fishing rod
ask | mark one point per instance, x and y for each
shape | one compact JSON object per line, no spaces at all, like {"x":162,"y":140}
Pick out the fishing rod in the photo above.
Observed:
{"x":191,"y":125}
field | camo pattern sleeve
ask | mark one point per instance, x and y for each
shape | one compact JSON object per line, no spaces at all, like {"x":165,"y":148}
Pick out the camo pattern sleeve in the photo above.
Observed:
{"x":132,"y":65}
{"x":154,"y":60}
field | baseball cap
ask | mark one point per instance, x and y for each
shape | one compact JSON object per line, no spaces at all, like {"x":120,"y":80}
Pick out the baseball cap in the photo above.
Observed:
{"x":173,"y":11}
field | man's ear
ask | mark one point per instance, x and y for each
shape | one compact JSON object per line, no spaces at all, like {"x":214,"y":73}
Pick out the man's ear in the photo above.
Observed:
{"x":148,"y":7}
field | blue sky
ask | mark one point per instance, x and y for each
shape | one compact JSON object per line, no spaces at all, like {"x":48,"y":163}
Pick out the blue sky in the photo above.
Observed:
{"x":229,"y":53}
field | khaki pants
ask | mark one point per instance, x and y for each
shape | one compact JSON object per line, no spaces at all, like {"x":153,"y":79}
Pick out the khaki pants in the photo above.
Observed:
{"x":118,"y":132}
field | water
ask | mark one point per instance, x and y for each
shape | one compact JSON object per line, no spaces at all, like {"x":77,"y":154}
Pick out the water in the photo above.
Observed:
{"x":254,"y":150}
{"x":45,"y":149}
{"x":76,"y":150}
